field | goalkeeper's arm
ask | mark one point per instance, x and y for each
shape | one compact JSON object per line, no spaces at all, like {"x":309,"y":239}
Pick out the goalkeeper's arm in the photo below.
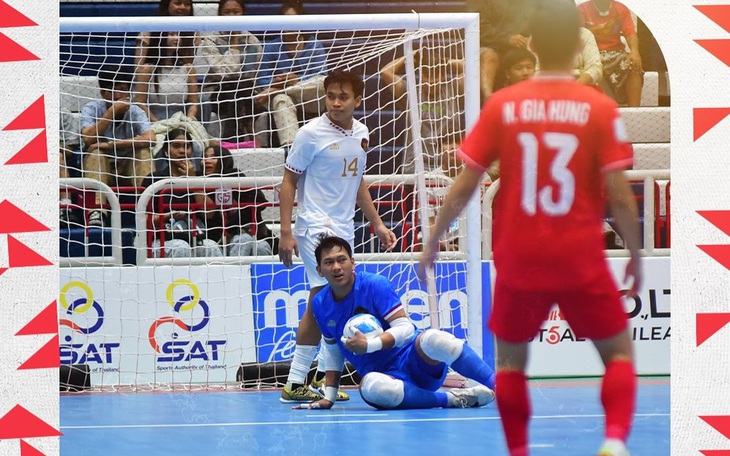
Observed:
{"x":401,"y":332}
{"x":334,"y":362}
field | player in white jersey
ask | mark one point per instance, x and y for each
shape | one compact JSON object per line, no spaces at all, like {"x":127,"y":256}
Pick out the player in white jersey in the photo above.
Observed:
{"x":326,"y":165}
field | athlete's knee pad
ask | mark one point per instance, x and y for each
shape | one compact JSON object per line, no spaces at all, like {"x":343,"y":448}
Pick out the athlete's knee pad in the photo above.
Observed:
{"x":381,"y":391}
{"x":441,"y":346}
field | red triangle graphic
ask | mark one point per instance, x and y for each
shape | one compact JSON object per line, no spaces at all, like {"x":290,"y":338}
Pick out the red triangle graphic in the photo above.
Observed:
{"x":720,"y":219}
{"x":719,"y":14}
{"x":706,"y":118}
{"x":720,"y":423}
{"x":36,"y":151}
{"x":19,"y":423}
{"x":27,"y":450}
{"x":710,"y":323}
{"x":715,"y":452}
{"x":3,"y":270}
{"x":33,"y":117}
{"x":10,"y":51}
{"x":719,"y":253}
{"x":20,"y":255}
{"x":45,"y":358}
{"x":14,"y":220}
{"x":10,"y":17}
{"x":718,"y":48}
{"x":45,"y":322}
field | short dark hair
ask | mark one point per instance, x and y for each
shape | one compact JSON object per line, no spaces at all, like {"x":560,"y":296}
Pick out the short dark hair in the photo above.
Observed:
{"x":296,"y":5}
{"x":241,"y":3}
{"x":555,"y":28}
{"x":515,"y":55}
{"x":343,"y":77}
{"x":327,"y":243}
{"x":174,"y":133}
{"x":111,"y":75}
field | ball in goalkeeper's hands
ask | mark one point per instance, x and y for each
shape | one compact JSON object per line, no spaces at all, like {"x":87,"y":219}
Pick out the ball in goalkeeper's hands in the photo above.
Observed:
{"x":367,"y":324}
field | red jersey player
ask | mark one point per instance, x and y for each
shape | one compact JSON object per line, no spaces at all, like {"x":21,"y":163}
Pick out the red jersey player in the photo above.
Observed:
{"x":562,"y":147}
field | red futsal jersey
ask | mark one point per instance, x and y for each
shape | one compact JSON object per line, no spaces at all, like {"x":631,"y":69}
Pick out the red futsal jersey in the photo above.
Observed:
{"x":554,"y":139}
{"x":609,"y":27}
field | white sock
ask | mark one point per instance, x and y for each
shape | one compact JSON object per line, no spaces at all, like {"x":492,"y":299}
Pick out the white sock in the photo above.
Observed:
{"x":320,"y":361}
{"x":300,"y":364}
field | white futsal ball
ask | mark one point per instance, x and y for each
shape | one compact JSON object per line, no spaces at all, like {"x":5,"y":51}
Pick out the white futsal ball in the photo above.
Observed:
{"x":365,"y":323}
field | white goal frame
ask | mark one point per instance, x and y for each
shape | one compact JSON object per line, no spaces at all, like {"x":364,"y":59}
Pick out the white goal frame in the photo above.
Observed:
{"x":468,"y":22}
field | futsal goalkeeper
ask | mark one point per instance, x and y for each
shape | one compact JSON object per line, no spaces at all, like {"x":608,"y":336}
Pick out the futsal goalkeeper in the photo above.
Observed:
{"x":325,"y":169}
{"x":401,"y":368}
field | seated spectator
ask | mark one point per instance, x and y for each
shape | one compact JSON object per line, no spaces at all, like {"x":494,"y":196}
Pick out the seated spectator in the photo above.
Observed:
{"x":623,"y":75}
{"x":517,"y":65}
{"x":247,"y":233}
{"x":117,"y":135}
{"x":68,"y":142}
{"x":164,"y":8}
{"x":441,"y":87}
{"x":588,"y":68}
{"x":503,"y":25}
{"x":232,"y":60}
{"x":291,"y":73}
{"x":183,"y":228}
{"x":166,"y":80}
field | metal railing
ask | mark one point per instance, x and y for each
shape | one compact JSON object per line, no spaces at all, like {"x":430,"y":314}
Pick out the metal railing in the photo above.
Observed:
{"x":211,"y":183}
{"x":82,"y":185}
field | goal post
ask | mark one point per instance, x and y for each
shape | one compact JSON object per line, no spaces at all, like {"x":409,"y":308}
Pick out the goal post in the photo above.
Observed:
{"x":162,"y":320}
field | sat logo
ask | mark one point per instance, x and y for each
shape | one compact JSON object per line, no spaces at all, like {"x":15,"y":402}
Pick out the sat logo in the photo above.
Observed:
{"x":184,"y":350}
{"x":89,"y":311}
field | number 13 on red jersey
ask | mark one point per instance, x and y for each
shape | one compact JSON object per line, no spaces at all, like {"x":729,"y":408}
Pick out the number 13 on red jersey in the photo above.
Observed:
{"x":565,"y":145}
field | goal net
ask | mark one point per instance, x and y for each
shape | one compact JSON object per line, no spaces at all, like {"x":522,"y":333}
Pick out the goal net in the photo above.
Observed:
{"x":171,"y":277}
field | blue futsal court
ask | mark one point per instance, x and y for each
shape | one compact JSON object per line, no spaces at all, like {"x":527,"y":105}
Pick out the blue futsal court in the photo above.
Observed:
{"x":567,"y":420}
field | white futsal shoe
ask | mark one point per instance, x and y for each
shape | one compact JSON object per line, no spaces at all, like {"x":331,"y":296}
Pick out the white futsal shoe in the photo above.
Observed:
{"x":613,"y":447}
{"x":476,"y":396}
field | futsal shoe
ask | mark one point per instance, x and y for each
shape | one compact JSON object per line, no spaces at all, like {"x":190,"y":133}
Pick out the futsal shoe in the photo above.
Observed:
{"x":476,"y":396}
{"x":613,"y":447}
{"x":317,"y":387}
{"x":298,"y":394}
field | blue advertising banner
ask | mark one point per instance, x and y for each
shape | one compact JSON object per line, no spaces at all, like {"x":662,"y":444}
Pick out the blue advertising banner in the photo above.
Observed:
{"x":280,"y":298}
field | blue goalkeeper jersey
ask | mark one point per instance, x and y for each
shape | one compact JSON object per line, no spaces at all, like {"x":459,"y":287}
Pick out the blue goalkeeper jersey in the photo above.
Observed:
{"x":371,"y":294}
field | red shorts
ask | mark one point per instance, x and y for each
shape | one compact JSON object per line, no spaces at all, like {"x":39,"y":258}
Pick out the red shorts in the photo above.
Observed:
{"x":595,"y":312}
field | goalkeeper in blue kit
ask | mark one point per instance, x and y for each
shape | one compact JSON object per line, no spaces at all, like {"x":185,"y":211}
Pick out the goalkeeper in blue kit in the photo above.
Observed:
{"x":402,"y":368}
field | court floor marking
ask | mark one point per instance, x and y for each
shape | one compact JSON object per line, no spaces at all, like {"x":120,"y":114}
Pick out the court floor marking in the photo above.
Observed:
{"x":379,"y":420}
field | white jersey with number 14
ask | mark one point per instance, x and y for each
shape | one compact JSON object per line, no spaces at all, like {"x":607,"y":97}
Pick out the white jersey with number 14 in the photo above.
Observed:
{"x":330,"y":161}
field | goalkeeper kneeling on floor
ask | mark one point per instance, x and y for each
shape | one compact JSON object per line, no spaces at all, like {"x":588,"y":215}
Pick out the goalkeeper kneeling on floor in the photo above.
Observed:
{"x":401,"y":367}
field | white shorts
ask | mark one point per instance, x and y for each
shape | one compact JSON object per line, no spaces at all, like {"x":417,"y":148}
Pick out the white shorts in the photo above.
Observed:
{"x":307,"y":244}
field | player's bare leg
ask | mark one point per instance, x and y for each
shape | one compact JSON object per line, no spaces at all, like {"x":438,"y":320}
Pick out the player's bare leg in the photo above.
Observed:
{"x":618,"y":391}
{"x":634,"y":85}
{"x":513,"y":399}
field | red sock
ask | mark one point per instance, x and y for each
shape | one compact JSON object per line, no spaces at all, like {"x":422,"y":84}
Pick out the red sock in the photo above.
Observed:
{"x":513,"y":403}
{"x":618,"y":395}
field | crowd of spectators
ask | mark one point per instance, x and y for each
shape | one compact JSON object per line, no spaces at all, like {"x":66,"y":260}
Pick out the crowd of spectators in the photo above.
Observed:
{"x":166,"y":115}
